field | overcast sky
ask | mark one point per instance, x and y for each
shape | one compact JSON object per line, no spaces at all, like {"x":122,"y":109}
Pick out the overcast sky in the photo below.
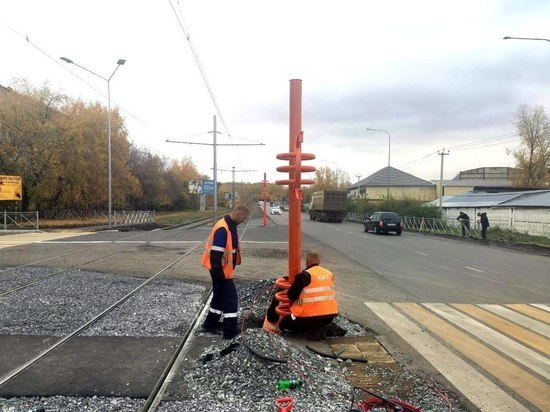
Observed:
{"x":434,"y":74}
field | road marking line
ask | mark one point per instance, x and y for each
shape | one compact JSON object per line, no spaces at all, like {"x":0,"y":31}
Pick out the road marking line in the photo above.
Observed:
{"x":474,"y":269}
{"x":477,"y":388}
{"x":521,"y":320}
{"x":524,"y":384}
{"x":423,"y":254}
{"x":509,"y":328}
{"x":541,"y":306}
{"x":531,"y":359}
{"x":530,"y":311}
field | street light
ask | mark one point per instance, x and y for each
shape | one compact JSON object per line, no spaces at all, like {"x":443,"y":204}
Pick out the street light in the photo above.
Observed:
{"x":389,"y":151}
{"x":524,"y":38}
{"x":119,"y":63}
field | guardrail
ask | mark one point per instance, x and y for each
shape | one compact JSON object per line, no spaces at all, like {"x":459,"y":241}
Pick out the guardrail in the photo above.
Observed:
{"x":424,"y":224}
{"x":19,"y":220}
{"x":438,"y":226}
{"x":133,"y":217}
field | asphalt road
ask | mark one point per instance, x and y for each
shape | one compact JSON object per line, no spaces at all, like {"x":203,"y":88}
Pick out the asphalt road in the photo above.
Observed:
{"x":432,"y":269}
{"x":392,"y":285}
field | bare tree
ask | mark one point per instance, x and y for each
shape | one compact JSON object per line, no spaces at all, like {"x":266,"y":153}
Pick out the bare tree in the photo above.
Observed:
{"x":533,"y":154}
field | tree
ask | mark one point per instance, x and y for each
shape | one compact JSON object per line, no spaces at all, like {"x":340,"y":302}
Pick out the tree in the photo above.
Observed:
{"x":177,"y":180}
{"x":30,"y":140}
{"x":533,"y":155}
{"x":328,"y":179}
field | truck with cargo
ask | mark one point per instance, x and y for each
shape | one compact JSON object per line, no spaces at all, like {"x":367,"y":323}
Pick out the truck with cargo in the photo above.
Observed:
{"x":328,"y":205}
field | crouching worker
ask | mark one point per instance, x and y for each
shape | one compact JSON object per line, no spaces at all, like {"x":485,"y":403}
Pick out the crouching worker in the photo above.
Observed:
{"x":313,"y":303}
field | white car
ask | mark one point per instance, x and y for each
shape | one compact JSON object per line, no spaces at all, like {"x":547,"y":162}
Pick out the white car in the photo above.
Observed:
{"x":275,"y":210}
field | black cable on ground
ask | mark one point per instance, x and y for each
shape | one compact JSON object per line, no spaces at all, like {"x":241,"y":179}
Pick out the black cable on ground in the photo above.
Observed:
{"x":261,"y":355}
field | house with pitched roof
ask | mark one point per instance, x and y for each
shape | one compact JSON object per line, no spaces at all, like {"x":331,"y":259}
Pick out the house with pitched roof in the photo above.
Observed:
{"x":396,"y":183}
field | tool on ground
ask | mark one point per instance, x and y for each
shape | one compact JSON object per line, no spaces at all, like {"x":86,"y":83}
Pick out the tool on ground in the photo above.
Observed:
{"x":284,"y":404}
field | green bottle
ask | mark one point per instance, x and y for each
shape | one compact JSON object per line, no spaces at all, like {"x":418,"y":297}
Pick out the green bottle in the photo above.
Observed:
{"x":288,"y":384}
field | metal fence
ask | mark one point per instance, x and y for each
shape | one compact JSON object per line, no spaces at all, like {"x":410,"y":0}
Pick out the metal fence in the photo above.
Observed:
{"x":422,"y":224}
{"x":454,"y":227}
{"x":133,"y":218}
{"x":20,"y":220}
{"x":439,"y":226}
{"x":30,"y":220}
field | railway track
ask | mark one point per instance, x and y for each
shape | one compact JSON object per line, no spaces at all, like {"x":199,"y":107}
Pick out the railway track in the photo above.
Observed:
{"x":156,"y":395}
{"x":5,"y":293}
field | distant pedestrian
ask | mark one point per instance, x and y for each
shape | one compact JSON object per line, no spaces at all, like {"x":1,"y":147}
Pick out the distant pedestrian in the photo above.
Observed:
{"x":484,"y":221}
{"x":222,"y":253}
{"x":464,"y":220}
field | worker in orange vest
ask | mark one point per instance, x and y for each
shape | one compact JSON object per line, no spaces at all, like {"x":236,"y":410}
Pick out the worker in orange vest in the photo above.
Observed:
{"x":221,"y":254}
{"x":313,"y":300}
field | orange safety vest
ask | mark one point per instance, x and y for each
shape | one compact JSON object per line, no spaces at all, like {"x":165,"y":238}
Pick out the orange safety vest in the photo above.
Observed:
{"x":228,"y":251}
{"x":317,"y":298}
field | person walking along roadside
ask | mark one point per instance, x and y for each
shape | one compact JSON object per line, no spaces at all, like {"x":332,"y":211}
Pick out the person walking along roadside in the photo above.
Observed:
{"x":221,"y":255}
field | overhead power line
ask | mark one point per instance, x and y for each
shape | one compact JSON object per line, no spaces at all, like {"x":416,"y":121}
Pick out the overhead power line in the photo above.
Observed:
{"x":185,"y":31}
{"x":65,"y":67}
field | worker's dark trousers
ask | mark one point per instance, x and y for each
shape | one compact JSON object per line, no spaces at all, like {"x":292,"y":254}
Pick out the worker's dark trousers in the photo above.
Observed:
{"x":223,"y":306}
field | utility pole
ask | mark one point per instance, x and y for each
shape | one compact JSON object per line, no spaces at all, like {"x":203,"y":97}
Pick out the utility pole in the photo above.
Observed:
{"x":442,"y":154}
{"x":215,"y":168}
{"x":233,"y":182}
{"x":215,"y":176}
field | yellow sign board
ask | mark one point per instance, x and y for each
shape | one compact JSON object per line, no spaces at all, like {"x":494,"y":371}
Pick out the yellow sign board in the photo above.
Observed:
{"x":11,"y":187}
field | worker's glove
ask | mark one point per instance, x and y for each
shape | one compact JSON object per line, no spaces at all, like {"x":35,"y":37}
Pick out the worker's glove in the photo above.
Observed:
{"x":272,"y":315}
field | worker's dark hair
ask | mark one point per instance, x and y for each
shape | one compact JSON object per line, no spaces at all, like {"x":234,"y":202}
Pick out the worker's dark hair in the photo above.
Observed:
{"x":313,"y":256}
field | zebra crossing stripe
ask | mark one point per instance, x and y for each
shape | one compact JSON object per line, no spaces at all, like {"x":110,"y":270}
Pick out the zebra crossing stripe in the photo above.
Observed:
{"x":477,"y":388}
{"x":509,"y":328}
{"x":531,"y":311}
{"x":521,"y":354}
{"x":520,"y":381}
{"x":520,"y":319}
{"x":541,"y":306}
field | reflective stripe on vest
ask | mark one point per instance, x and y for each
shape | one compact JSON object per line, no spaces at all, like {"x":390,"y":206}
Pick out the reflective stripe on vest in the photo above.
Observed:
{"x":228,"y":251}
{"x":318,"y":298}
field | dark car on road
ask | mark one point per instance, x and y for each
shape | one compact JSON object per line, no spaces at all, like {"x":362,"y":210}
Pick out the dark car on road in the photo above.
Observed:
{"x":384,"y":222}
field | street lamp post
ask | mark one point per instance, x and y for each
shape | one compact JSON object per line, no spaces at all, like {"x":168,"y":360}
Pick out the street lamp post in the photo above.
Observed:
{"x":389,"y":151}
{"x":524,"y":38}
{"x":119,"y":63}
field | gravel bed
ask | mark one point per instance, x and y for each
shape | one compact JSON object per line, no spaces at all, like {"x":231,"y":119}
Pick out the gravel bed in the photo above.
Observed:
{"x":241,"y":381}
{"x":235,"y":381}
{"x":60,"y":304}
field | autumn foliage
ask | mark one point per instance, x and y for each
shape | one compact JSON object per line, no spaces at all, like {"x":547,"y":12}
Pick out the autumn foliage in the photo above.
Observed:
{"x":59,"y":147}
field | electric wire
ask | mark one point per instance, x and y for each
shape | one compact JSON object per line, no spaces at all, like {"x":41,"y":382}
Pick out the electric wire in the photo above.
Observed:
{"x":185,"y":31}
{"x":66,"y":68}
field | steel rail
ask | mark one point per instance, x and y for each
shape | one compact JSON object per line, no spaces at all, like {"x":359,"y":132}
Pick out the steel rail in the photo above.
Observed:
{"x":16,"y":371}
{"x":155,"y":398}
{"x":205,"y":220}
{"x":10,"y":291}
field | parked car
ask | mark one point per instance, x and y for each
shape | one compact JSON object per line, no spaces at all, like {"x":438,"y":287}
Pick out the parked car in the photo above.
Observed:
{"x":384,"y":222}
{"x":261,"y":203}
{"x":275,"y":210}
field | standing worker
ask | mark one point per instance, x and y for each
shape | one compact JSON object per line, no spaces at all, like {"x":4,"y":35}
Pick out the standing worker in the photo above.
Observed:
{"x":484,"y":221}
{"x":313,"y":299}
{"x":221,"y":254}
{"x":464,"y":220}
